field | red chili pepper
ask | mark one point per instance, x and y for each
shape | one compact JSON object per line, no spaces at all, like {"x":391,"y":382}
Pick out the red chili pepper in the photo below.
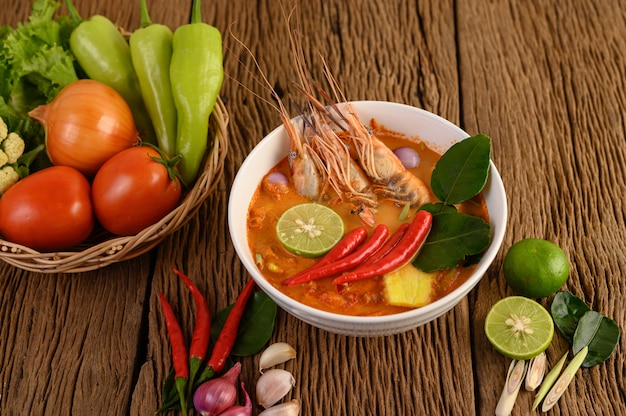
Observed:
{"x":404,"y":252}
{"x":179,"y":352}
{"x":377,"y":239}
{"x":389,"y":245}
{"x":347,"y":245}
{"x":228,"y":334}
{"x":202,"y":329}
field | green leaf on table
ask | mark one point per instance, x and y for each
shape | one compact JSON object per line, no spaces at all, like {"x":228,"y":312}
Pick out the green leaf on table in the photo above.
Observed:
{"x":452,"y":238}
{"x":462,"y":171}
{"x":600,"y":334}
{"x":566,"y":310}
{"x":256,"y":326}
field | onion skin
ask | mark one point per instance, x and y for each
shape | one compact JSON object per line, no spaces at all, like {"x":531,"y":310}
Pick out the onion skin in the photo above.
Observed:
{"x":86,"y":124}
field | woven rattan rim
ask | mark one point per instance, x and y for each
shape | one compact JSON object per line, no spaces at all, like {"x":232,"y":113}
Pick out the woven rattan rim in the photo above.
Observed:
{"x":104,"y":249}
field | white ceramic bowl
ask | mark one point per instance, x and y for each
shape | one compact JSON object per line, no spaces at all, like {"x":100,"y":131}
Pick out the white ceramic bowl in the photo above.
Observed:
{"x":412,"y":122}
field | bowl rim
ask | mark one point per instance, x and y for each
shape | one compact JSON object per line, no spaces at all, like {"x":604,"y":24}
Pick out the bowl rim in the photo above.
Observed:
{"x":431,"y":310}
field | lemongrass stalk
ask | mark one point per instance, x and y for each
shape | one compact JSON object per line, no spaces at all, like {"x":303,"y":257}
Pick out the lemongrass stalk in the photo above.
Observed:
{"x":536,"y":371}
{"x":561,"y":384}
{"x":514,"y":380}
{"x":549,"y":380}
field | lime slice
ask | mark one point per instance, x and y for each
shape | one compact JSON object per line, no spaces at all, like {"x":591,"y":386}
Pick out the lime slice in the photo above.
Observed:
{"x":519,"y":327}
{"x":309,"y":230}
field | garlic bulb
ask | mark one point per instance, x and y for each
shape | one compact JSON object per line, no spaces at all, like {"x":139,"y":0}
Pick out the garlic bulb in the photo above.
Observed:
{"x":291,"y":408}
{"x":273,"y":385}
{"x":276,"y":353}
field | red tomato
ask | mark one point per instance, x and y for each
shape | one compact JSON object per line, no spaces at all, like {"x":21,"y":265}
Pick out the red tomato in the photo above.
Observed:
{"x":132,"y":191}
{"x":49,"y":210}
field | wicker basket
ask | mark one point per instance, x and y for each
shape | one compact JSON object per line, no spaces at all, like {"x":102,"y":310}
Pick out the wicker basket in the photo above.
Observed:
{"x":102,"y":249}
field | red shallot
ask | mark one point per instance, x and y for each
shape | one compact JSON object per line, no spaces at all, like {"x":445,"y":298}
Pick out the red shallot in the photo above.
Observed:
{"x":218,"y":394}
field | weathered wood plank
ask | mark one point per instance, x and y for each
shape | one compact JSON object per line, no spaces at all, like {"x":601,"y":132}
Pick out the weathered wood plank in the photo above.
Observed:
{"x":69,"y":343}
{"x":546,"y":81}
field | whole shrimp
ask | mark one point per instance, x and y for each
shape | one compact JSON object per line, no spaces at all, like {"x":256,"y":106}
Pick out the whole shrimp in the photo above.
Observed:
{"x":307,"y":173}
{"x":383,"y":168}
{"x":392,"y":180}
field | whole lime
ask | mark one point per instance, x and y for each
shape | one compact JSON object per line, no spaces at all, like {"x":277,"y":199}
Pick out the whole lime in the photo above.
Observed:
{"x":535,"y":268}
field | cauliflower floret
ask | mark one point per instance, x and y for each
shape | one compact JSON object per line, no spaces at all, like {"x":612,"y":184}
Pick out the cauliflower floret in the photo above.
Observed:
{"x":13,"y":147}
{"x":8,"y":178}
{"x":4,"y":130}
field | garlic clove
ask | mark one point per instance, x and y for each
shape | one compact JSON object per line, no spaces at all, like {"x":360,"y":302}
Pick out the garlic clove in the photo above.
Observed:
{"x":276,"y":353}
{"x":273,"y":385}
{"x":291,"y":408}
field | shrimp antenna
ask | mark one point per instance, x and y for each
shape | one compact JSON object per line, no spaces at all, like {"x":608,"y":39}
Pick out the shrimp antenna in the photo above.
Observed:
{"x":263,"y":81}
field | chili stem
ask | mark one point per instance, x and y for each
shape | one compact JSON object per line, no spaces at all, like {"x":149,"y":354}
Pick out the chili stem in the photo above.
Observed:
{"x":196,"y":12}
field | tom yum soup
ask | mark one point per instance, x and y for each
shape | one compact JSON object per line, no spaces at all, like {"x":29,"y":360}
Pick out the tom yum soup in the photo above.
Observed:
{"x":361,"y":220}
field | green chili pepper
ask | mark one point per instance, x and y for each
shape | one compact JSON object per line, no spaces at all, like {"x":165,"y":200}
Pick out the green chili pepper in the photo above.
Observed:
{"x":151,"y":53}
{"x":103,"y":53}
{"x":196,"y":74}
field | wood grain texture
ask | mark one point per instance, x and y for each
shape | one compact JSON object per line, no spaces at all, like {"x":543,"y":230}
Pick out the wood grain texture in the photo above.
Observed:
{"x":546,"y":81}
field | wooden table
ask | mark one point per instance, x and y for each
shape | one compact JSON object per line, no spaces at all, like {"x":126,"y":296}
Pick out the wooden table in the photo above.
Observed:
{"x":545,"y":79}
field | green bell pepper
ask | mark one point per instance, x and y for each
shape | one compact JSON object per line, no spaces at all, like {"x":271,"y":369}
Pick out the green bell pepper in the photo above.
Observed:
{"x":151,"y":53}
{"x":196,"y":73}
{"x":103,"y":53}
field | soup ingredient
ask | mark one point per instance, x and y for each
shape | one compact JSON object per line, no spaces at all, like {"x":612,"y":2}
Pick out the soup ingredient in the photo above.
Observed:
{"x":408,"y":157}
{"x":454,"y":238}
{"x":404,"y":252}
{"x":514,"y":380}
{"x":566,"y":310}
{"x":196,"y":74}
{"x":535,"y":268}
{"x":273,"y":385}
{"x":519,"y":327}
{"x":344,"y":247}
{"x":408,"y":286}
{"x":103,"y":53}
{"x":536,"y":370}
{"x":563,"y":381}
{"x":256,"y":324}
{"x":135,"y":189}
{"x":35,"y":63}
{"x":228,"y":334}
{"x":290,"y":408}
{"x":389,"y":245}
{"x":179,"y":352}
{"x":277,"y":353}
{"x":309,"y":229}
{"x":367,"y":249}
{"x":201,"y":331}
{"x":151,"y":55}
{"x":86,"y":124}
{"x":218,"y":394}
{"x":459,"y":175}
{"x":254,"y":316}
{"x":549,"y":380}
{"x":597,"y":333}
{"x":48,"y":210}
{"x":462,"y":171}
{"x":382,"y":166}
{"x":245,"y":410}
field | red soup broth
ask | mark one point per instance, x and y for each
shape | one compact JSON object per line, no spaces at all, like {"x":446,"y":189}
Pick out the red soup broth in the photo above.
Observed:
{"x":362,"y":298}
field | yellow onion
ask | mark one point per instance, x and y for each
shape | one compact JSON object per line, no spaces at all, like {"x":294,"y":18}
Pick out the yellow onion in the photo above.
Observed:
{"x":86,"y":124}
